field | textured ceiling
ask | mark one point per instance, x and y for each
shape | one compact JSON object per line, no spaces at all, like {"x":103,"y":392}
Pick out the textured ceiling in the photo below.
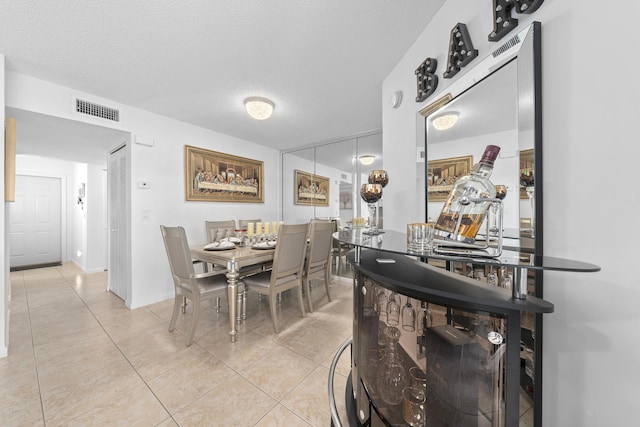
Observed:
{"x":321,"y":62}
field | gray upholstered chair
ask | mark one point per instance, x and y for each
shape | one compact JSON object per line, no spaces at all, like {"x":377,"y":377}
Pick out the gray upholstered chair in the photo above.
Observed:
{"x":318,"y":263}
{"x":197,"y":287}
{"x":288,"y":265}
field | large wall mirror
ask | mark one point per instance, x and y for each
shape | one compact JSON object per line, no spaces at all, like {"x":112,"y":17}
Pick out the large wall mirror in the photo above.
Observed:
{"x":336,"y":169}
{"x":497,"y":102}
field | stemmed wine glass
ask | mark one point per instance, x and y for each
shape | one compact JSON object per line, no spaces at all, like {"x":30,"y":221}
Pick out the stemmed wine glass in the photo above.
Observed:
{"x":393,"y":310}
{"x":371,"y":193}
{"x":501,"y":193}
{"x":408,"y":317}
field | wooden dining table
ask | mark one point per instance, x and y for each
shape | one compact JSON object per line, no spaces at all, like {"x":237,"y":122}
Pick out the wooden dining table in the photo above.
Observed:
{"x":234,"y":259}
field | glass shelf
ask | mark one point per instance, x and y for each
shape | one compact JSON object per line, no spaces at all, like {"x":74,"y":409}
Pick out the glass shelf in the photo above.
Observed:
{"x":396,"y":242}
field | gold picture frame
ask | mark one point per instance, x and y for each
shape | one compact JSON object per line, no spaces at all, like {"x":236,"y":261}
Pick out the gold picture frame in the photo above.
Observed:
{"x":211,"y":176}
{"x":311,"y":189}
{"x":443,"y":173}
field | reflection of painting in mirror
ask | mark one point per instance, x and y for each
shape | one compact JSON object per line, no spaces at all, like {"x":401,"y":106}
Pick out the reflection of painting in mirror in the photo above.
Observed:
{"x":443,"y":173}
{"x":311,"y":189}
{"x":211,"y":176}
{"x":526,"y":172}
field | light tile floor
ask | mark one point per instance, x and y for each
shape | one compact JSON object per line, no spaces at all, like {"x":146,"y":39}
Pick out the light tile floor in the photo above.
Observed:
{"x":78,"y":356}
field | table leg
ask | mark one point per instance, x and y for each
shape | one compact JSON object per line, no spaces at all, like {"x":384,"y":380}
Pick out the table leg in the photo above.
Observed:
{"x":240,"y":291}
{"x":232,"y":291}
{"x":244,"y":302}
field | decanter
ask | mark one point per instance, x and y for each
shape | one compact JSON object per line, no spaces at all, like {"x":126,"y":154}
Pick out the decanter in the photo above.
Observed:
{"x":393,"y":378}
{"x":461,"y":215}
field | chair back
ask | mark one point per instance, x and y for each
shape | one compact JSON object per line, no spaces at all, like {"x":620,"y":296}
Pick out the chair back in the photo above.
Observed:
{"x":321,"y":241}
{"x":218,"y":230}
{"x":242,"y":223}
{"x":290,"y":252}
{"x":175,"y":242}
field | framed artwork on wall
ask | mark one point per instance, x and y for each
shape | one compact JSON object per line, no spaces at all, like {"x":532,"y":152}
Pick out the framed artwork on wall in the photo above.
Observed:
{"x":211,"y":176}
{"x":310,"y":189}
{"x":443,"y":173}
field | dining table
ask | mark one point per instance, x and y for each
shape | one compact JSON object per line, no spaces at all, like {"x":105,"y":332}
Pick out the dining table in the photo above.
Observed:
{"x":234,"y":258}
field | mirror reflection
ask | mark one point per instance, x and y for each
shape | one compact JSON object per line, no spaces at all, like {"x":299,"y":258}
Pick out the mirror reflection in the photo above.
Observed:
{"x":345,"y":165}
{"x":490,"y":105}
{"x":497,"y":103}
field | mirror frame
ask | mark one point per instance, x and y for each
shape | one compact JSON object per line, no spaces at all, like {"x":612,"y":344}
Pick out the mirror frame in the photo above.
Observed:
{"x":525,"y":48}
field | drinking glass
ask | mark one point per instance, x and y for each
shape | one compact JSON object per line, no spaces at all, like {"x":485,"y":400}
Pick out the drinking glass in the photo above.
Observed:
{"x":393,"y":310}
{"x":418,"y":380}
{"x":413,"y":407}
{"x":382,"y":304}
{"x":408,"y":317}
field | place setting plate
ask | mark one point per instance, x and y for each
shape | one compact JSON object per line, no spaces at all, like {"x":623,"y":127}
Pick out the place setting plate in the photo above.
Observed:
{"x":219,"y":246}
{"x":271,"y":244}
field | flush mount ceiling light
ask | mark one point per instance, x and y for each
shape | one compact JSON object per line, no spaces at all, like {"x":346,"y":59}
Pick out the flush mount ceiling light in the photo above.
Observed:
{"x":259,"y":108}
{"x":445,"y":121}
{"x":367,"y":159}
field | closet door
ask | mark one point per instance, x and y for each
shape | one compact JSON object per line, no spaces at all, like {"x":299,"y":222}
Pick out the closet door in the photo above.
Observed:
{"x":118,"y":234}
{"x":35,"y":222}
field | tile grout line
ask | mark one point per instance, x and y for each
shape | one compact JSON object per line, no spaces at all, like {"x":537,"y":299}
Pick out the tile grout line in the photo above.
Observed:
{"x":33,"y":351}
{"x":125,"y":356}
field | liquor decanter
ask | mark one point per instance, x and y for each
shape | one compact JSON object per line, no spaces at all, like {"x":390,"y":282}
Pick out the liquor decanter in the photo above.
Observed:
{"x":392,"y":379}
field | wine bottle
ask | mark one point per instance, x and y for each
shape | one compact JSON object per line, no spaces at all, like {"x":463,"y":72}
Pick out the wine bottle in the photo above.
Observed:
{"x":461,"y":218}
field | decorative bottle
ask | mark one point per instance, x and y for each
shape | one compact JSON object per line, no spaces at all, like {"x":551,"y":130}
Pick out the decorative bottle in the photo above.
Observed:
{"x":461,"y":218}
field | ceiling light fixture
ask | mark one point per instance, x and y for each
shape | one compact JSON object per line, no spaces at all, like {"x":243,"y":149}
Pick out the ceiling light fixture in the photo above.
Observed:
{"x":259,"y":108}
{"x":445,"y":121}
{"x":367,"y":159}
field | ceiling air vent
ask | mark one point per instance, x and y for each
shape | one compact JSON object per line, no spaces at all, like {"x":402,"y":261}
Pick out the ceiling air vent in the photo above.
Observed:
{"x":505,"y":47}
{"x":97,"y":110}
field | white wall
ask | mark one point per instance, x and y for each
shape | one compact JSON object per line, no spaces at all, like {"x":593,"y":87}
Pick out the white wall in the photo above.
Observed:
{"x":163,"y":166}
{"x":5,"y":283}
{"x":590,"y":161}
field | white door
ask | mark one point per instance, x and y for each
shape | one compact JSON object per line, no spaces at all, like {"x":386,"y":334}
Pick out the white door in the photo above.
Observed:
{"x":35,"y":222}
{"x":118,"y":236}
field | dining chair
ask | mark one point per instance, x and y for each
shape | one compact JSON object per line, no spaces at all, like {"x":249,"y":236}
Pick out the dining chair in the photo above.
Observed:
{"x":338,"y":250}
{"x":288,"y":265}
{"x":218,"y":230}
{"x":197,"y":287}
{"x":318,"y":262}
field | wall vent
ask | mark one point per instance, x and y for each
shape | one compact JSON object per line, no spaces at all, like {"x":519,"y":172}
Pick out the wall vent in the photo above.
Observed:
{"x":505,"y":47}
{"x":343,"y":176}
{"x":97,"y":110}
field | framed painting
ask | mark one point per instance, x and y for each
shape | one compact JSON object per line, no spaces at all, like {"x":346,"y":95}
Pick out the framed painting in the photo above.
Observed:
{"x":211,"y":176}
{"x":311,"y":189}
{"x":443,"y":173}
